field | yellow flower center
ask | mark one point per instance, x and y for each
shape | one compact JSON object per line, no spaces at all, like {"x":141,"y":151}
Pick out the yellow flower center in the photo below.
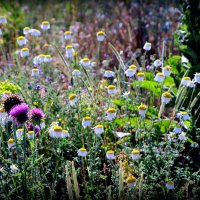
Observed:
{"x":131,"y":179}
{"x":82,"y":149}
{"x":20,"y":38}
{"x":110,"y":152}
{"x":160,"y":74}
{"x":184,"y":113}
{"x":65,"y":131}
{"x":132,"y":67}
{"x":135,"y":151}
{"x":186,"y":78}
{"x":167,"y":94}
{"x":100,"y":33}
{"x":11,"y":140}
{"x":57,"y":128}
{"x":170,"y":182}
{"x":30,"y":132}
{"x":86,"y":60}
{"x":72,"y":96}
{"x":142,"y":107}
{"x":69,"y":47}
{"x":48,"y":56}
{"x":26,"y":28}
{"x":140,"y":74}
{"x":111,"y":87}
{"x":111,"y":110}
{"x":99,"y":126}
{"x":2,"y":110}
{"x":45,"y":22}
{"x":20,"y":130}
{"x":87,"y":118}
{"x":25,"y":49}
{"x":35,"y":70}
{"x":167,"y":67}
{"x":67,"y":33}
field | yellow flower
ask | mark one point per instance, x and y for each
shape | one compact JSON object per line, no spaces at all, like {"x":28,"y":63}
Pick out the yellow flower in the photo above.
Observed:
{"x":86,"y":59}
{"x":82,"y":149}
{"x":20,"y":38}
{"x":68,"y":33}
{"x":69,"y":47}
{"x":167,"y":67}
{"x":45,"y":22}
{"x":186,"y":78}
{"x":30,"y":132}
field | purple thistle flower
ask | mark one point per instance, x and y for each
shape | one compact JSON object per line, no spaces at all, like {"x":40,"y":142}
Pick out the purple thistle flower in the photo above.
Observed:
{"x":19,"y":113}
{"x":35,"y":115}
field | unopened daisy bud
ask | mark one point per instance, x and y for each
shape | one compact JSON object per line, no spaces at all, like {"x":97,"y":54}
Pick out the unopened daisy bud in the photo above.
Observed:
{"x":177,"y":129}
{"x":35,"y":72}
{"x":185,"y":80}
{"x":111,"y":114}
{"x":45,"y":25}
{"x":69,"y":52}
{"x":42,"y":124}
{"x":98,"y":129}
{"x":170,"y":185}
{"x":3,"y":20}
{"x":94,"y":64}
{"x":30,"y":134}
{"x":21,"y":40}
{"x":24,"y":52}
{"x":171,"y":136}
{"x":185,"y":115}
{"x":131,"y":181}
{"x":76,"y":72}
{"x":85,"y":62}
{"x":157,"y":63}
{"x":182,"y":136}
{"x":166,"y":97}
{"x":109,"y":74}
{"x":159,"y":77}
{"x":135,"y":154}
{"x":194,"y":145}
{"x":56,"y":132}
{"x":100,"y":36}
{"x":142,"y":109}
{"x":110,"y":155}
{"x":26,"y":30}
{"x":65,"y":134}
{"x":86,"y":122}
{"x":67,"y":35}
{"x":111,"y":89}
{"x":166,"y":70}
{"x":35,"y":32}
{"x":3,"y":114}
{"x":73,"y":99}
{"x":19,"y":132}
{"x":14,"y":168}
{"x":130,"y":72}
{"x":10,"y":143}
{"x":197,"y":77}
{"x":82,"y":152}
{"x":140,"y":76}
{"x":191,"y":84}
{"x":147,"y":46}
